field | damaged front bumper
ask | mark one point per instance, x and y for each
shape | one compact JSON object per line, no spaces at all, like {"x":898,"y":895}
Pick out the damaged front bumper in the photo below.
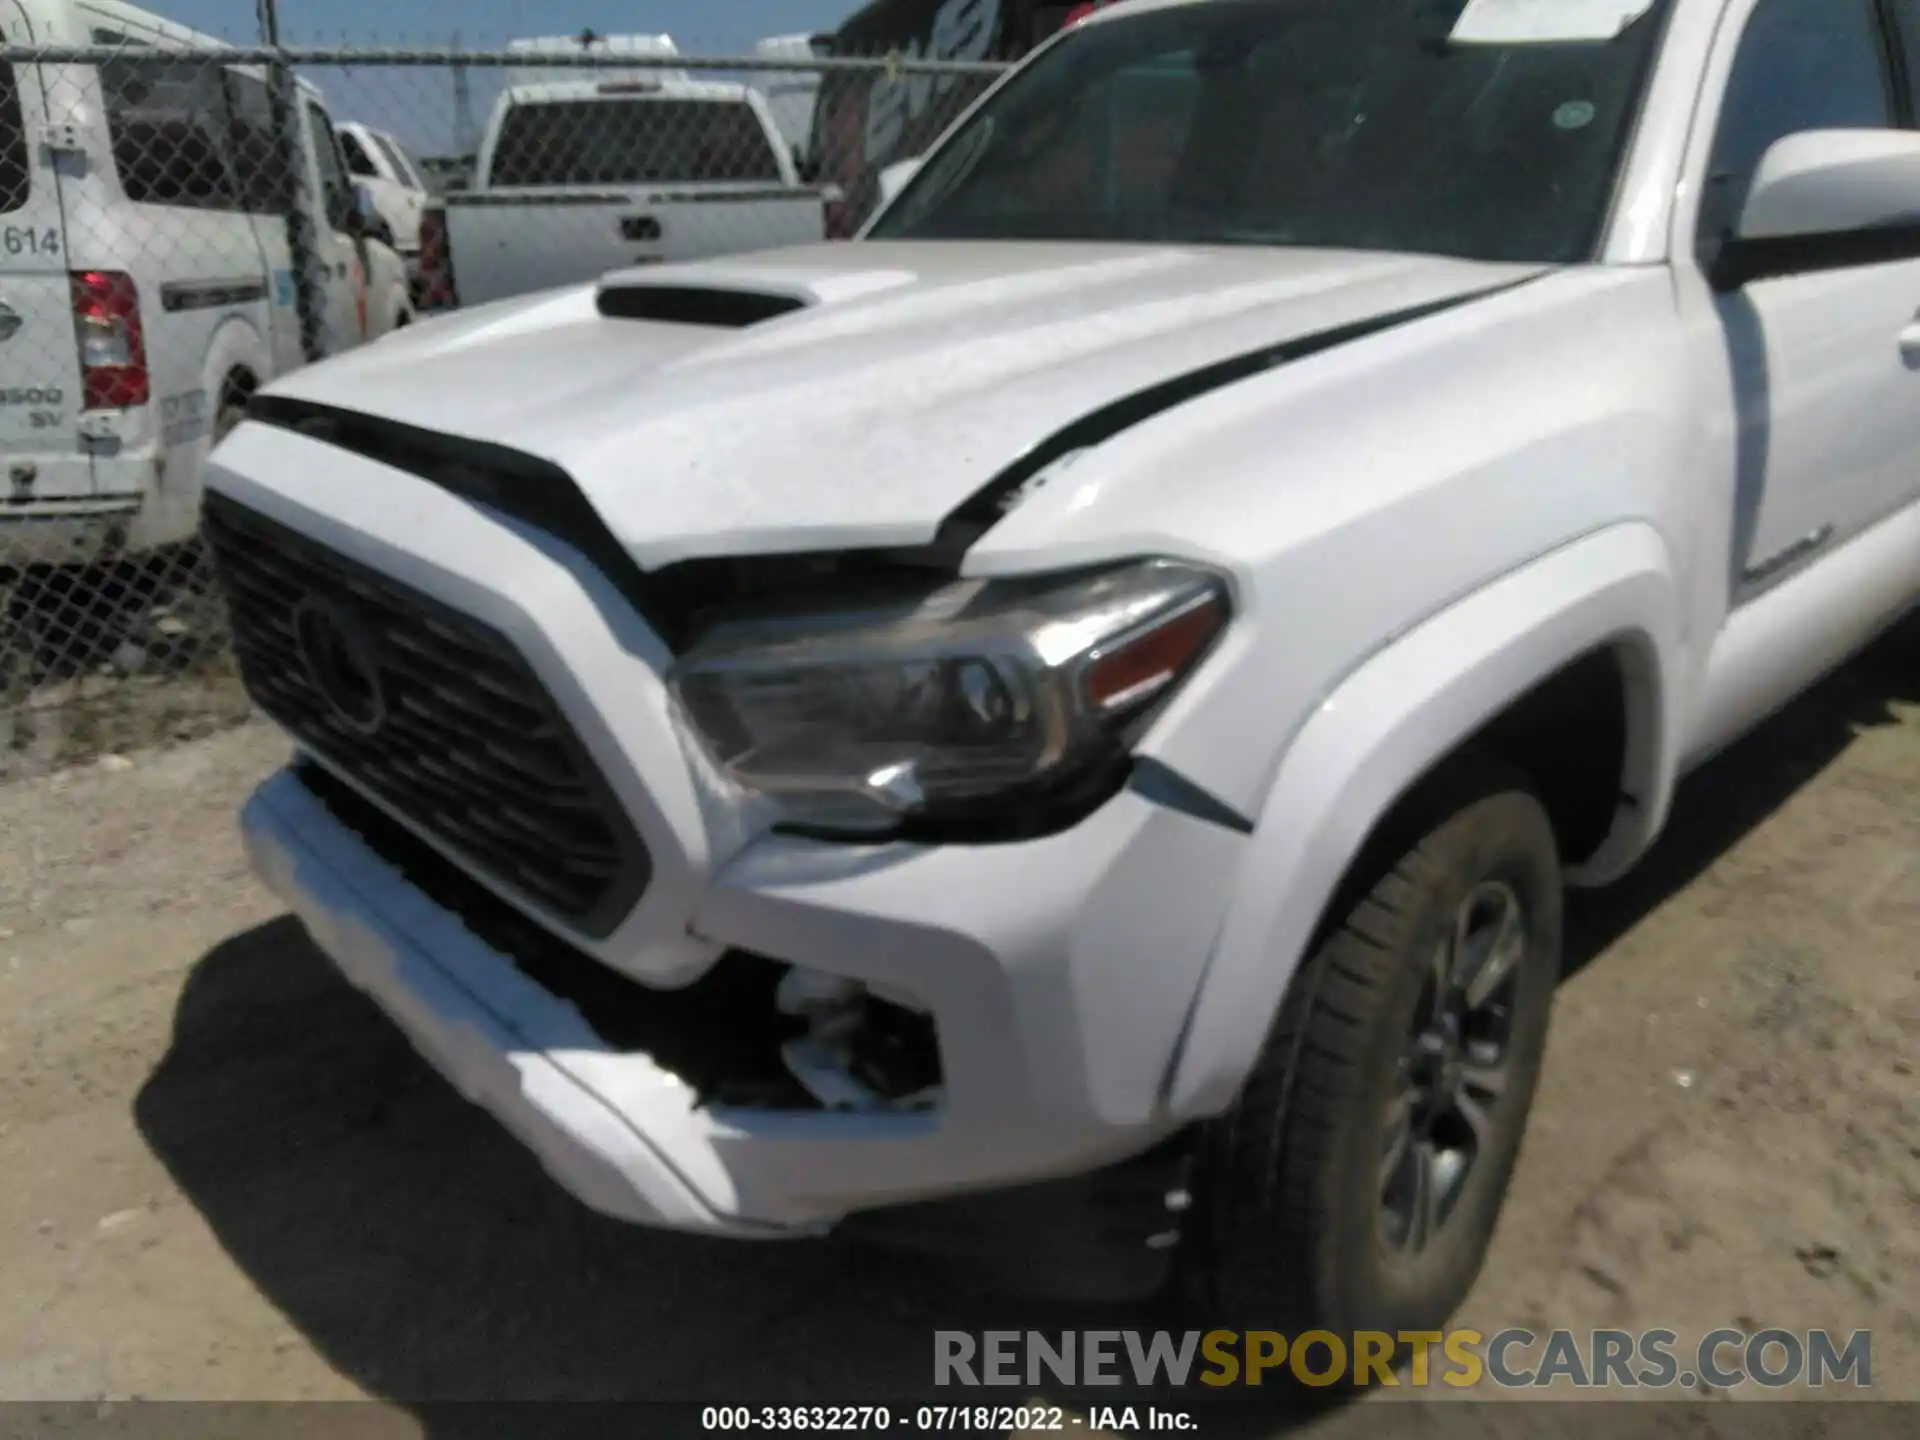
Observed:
{"x":650,"y":1062}
{"x":1049,"y":1052}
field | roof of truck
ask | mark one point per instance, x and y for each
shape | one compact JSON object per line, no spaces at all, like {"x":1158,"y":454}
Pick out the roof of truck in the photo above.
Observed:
{"x":671,"y":87}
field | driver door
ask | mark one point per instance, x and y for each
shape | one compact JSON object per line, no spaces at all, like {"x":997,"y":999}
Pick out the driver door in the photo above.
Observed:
{"x":345,"y":309}
{"x":1825,"y":366}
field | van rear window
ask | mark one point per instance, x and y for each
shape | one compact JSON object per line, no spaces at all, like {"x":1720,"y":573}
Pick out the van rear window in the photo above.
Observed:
{"x":16,"y":165}
{"x":632,"y":142}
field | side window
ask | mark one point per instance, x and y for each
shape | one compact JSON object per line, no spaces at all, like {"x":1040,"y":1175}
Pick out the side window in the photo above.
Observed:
{"x":335,"y":187}
{"x":170,"y":125}
{"x":398,"y":162}
{"x":358,"y":161}
{"x":1801,"y":65}
{"x":257,"y":156}
{"x":16,"y":163}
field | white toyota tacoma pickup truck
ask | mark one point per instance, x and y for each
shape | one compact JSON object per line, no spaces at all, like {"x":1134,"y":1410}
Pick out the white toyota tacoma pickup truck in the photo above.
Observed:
{"x":1072,"y":714}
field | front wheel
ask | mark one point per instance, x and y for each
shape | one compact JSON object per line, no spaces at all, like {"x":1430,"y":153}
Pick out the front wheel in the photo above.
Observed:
{"x":1355,"y":1183}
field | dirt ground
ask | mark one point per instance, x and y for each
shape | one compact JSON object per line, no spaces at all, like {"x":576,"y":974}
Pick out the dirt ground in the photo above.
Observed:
{"x":227,"y":1177}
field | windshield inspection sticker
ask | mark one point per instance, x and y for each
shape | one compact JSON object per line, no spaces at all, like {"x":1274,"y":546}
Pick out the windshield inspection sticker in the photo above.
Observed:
{"x":1521,"y":22}
{"x":1574,"y":115}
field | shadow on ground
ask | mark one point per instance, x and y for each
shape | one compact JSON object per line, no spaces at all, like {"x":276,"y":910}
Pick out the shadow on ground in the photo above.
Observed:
{"x":430,"y":1260}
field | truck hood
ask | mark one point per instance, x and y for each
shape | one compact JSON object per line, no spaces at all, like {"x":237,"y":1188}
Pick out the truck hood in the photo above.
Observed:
{"x":848,"y":396}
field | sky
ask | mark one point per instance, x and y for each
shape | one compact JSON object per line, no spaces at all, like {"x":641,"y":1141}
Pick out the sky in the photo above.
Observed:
{"x":418,"y":104}
{"x":728,"y":24}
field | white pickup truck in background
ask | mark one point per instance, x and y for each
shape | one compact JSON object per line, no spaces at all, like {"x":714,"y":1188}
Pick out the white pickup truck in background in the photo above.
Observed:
{"x":582,"y":177}
{"x":377,"y":160}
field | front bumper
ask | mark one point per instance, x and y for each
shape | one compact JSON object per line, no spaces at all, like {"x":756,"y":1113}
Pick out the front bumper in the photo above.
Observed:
{"x":1051,"y":1053}
{"x":1058,"y":973}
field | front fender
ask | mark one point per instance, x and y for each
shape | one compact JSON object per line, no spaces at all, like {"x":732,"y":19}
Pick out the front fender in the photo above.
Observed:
{"x":1386,"y":726}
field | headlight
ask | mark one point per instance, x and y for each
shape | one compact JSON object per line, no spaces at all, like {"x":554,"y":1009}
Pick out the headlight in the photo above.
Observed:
{"x":980,"y":702}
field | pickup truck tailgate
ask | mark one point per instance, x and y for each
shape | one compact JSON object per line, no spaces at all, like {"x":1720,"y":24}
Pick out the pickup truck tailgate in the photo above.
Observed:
{"x":515,"y":243}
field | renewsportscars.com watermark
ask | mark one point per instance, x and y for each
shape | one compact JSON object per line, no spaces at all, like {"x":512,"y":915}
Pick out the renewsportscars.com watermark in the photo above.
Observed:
{"x":1507,"y":1359}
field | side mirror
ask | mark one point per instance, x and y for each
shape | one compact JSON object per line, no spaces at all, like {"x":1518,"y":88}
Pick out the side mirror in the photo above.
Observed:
{"x":1823,"y":200}
{"x":807,"y":167}
{"x":894,"y":178}
{"x":364,"y":220}
{"x":361,"y":217}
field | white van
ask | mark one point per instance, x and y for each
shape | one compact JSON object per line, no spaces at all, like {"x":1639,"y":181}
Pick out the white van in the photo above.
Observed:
{"x":380,"y":162}
{"x":146,"y":279}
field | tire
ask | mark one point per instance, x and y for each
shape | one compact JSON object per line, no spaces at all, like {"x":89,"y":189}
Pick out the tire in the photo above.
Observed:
{"x":1305,"y":1213}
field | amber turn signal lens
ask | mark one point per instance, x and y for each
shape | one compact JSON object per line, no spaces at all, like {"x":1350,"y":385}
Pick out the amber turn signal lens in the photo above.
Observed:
{"x":1140,"y":668}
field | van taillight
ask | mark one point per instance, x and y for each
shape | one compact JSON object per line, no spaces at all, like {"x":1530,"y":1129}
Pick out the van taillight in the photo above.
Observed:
{"x":113,"y":351}
{"x":436,"y":261}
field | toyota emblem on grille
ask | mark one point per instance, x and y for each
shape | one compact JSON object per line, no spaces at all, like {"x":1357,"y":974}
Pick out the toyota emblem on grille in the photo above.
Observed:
{"x":338,"y":650}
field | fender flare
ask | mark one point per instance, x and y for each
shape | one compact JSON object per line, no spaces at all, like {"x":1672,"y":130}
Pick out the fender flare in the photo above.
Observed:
{"x":236,"y":345}
{"x":1389,"y":723}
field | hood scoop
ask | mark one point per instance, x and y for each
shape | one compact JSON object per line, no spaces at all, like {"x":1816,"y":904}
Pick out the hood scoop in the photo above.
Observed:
{"x":716,"y":307}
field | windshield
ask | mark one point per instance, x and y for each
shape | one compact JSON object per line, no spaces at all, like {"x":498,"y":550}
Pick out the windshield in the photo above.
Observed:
{"x":1356,"y":124}
{"x":632,"y":142}
{"x":397,"y":158}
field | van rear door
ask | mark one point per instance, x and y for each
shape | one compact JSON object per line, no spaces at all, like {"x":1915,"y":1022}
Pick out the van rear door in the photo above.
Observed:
{"x":40,"y":386}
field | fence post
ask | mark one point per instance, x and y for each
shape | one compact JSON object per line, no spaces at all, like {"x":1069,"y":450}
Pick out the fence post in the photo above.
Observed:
{"x":303,"y":245}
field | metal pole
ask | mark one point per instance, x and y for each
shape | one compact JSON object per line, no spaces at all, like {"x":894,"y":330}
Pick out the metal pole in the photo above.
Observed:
{"x":309,"y":268}
{"x":465,"y":133}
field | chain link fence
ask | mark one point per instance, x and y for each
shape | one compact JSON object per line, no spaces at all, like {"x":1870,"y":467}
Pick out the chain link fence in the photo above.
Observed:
{"x":180,"y":223}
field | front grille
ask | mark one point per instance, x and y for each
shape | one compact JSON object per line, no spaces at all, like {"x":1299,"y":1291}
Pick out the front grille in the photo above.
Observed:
{"x":458,"y":737}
